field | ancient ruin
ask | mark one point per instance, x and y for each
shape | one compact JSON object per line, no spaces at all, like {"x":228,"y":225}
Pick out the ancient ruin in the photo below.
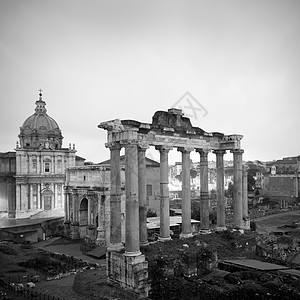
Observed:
{"x":169,"y":130}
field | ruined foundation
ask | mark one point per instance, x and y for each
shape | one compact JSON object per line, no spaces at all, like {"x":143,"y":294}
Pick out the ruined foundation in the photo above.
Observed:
{"x":129,"y":272}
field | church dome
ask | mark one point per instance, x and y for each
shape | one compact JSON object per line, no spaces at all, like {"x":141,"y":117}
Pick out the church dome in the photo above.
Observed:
{"x":40,"y":130}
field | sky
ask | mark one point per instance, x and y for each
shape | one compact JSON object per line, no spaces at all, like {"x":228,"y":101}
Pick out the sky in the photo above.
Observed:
{"x":101,"y":60}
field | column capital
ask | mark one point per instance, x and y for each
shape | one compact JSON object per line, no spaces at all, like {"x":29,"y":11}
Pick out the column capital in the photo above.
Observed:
{"x":142,"y":146}
{"x":163,"y":148}
{"x":219,"y":152}
{"x":113,"y":146}
{"x":186,"y":149}
{"x":203,"y":152}
{"x":237,"y":151}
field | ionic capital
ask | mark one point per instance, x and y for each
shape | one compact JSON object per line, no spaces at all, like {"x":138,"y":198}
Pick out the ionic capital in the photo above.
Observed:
{"x":185,"y":149}
{"x":142,"y":146}
{"x":113,"y":146}
{"x":219,"y":152}
{"x":237,"y":151}
{"x":203,"y":152}
{"x":164,"y":148}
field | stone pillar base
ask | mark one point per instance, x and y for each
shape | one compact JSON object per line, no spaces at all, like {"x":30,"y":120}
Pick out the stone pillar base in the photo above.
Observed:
{"x":164,"y":239}
{"x":143,"y":244}
{"x":221,"y":228}
{"x":185,"y":235}
{"x":205,"y":231}
{"x":129,"y":272}
{"x":133,"y":254}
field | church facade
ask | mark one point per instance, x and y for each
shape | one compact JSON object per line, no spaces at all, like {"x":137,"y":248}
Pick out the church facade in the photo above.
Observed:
{"x":40,"y":165}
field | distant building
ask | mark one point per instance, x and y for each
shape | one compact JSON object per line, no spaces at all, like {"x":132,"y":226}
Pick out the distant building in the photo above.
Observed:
{"x":281,"y":183}
{"x":88,"y":199}
{"x":8,"y":184}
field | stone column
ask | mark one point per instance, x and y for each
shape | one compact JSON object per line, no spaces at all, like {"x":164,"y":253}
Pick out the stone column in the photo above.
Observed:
{"x":75,"y":223}
{"x":39,"y":204}
{"x":186,"y":193}
{"x":89,"y":210}
{"x":238,"y":188}
{"x":204,"y":196}
{"x":67,"y":217}
{"x":246,"y":220}
{"x":220,"y":189}
{"x":142,"y":195}
{"x":164,"y":194}
{"x":101,"y":236}
{"x":132,"y":247}
{"x":115,"y":198}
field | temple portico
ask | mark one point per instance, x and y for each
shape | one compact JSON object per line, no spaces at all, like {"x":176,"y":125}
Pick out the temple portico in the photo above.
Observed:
{"x":168,"y":131}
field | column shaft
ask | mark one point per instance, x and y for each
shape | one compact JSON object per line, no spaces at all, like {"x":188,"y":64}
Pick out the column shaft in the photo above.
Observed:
{"x":89,"y":210}
{"x":115,"y":198}
{"x":204,"y":196}
{"x":245,"y":194}
{"x":66,"y":212}
{"x":132,"y":247}
{"x":142,"y":196}
{"x":164,"y":233}
{"x":238,"y":188}
{"x":186,"y":194}
{"x":220,"y":189}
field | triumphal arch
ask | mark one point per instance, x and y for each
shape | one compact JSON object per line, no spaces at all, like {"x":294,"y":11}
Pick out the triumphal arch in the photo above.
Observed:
{"x":168,"y":131}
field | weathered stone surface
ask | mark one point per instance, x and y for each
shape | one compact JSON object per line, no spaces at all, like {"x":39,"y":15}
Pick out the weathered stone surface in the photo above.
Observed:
{"x":128,"y":271}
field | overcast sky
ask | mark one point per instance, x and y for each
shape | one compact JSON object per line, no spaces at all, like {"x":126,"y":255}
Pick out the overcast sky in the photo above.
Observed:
{"x":102,"y":60}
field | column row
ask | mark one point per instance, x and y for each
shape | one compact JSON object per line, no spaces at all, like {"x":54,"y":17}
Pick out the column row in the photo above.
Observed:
{"x":135,"y":186}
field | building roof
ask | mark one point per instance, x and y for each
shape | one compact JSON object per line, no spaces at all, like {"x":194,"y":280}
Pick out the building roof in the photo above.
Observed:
{"x":10,"y":154}
{"x":149,"y":162}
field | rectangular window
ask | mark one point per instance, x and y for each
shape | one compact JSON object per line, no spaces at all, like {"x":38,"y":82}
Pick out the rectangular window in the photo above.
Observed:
{"x":34,"y":164}
{"x":149,"y":189}
{"x":47,"y":167}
